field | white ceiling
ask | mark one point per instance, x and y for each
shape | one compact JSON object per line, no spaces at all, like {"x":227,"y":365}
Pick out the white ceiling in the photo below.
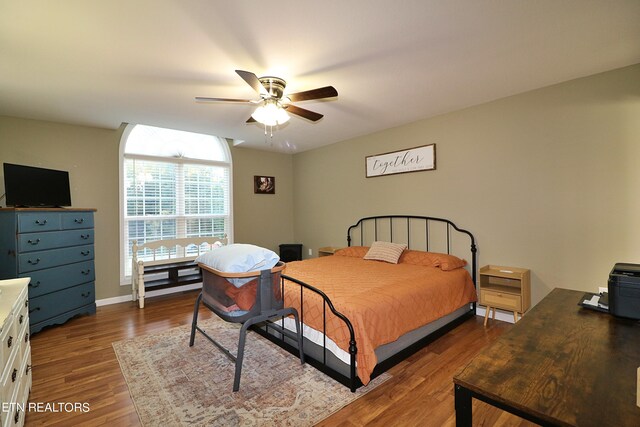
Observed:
{"x":100,"y":63}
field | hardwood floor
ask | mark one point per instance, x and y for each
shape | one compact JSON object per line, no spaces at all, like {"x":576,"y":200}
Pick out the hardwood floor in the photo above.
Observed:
{"x":75,"y":363}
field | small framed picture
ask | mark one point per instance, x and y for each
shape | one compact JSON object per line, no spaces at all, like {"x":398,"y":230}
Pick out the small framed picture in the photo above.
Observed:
{"x":264,"y":184}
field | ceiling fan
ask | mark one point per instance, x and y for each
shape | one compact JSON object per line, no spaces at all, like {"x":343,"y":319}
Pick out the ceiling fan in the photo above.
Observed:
{"x":274,"y":104}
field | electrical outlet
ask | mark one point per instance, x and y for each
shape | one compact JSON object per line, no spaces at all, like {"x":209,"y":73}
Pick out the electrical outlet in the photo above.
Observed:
{"x":310,"y":252}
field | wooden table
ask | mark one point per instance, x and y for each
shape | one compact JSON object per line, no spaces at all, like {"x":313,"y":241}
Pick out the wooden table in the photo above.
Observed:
{"x":560,"y":365}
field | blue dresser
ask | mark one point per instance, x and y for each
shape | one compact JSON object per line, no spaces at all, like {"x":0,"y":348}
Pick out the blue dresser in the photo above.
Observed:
{"x":55,"y":248}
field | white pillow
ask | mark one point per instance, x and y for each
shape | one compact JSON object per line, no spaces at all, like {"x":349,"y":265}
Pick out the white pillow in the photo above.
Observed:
{"x":239,"y":258}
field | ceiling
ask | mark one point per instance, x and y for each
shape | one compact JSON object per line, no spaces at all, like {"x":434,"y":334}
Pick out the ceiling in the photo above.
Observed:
{"x":101,"y":63}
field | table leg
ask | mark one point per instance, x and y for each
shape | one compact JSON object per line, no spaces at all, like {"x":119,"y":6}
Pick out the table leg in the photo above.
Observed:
{"x":486,"y":315}
{"x":463,"y":406}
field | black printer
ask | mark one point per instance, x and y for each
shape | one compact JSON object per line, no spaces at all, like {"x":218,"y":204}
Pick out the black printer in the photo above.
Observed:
{"x":624,"y":290}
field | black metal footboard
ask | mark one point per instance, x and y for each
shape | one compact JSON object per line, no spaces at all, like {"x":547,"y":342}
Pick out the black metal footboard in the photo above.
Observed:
{"x":352,"y":381}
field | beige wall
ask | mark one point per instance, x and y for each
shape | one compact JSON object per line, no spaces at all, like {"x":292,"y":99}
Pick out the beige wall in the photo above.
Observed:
{"x":262,"y":219}
{"x":91,"y":157}
{"x":546,"y":180}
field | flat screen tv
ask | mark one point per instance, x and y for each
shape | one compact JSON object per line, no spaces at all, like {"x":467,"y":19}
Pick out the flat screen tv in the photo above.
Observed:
{"x":28,"y":186}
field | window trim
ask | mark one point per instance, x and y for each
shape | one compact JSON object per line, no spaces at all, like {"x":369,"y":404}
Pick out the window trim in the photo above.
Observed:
{"x":126,"y":280}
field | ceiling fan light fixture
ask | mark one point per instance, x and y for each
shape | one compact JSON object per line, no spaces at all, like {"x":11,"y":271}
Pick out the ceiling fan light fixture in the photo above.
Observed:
{"x":270,"y":114}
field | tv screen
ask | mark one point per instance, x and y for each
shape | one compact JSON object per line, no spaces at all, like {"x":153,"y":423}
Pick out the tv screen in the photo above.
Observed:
{"x":36,"y":187}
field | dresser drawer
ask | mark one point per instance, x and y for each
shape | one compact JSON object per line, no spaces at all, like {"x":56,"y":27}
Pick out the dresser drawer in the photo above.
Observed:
{"x":31,"y":242}
{"x":38,"y":221}
{"x":73,"y":220}
{"x":21,"y":316}
{"x":25,"y":382}
{"x":501,"y":300}
{"x":15,"y":409}
{"x":53,"y":304}
{"x":10,"y":377}
{"x":32,"y":261}
{"x":24,"y":337}
{"x":13,"y":299}
{"x":7,"y":331}
{"x":56,"y":278}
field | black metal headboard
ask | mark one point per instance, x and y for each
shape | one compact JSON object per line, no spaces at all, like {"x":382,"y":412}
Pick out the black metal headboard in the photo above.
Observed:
{"x":408,"y":228}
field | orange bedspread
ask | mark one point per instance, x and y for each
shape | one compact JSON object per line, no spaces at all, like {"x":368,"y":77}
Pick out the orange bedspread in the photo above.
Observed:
{"x":383,"y":301}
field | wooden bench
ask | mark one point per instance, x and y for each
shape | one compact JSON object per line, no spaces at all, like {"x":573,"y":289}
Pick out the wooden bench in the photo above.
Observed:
{"x":167,"y":259}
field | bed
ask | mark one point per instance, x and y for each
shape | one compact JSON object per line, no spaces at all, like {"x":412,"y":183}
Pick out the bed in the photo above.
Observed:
{"x":360,"y":317}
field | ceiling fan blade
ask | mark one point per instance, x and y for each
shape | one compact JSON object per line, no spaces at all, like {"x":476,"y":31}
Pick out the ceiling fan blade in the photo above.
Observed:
{"x":322,"y":92}
{"x":309,"y":115}
{"x":251,"y":120}
{"x":252,"y":80}
{"x":205,"y":99}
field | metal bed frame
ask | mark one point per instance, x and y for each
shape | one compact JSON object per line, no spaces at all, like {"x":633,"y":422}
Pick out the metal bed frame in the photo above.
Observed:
{"x":352,"y":381}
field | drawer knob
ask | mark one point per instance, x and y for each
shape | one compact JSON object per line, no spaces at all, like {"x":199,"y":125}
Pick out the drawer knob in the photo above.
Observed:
{"x":85,"y":295}
{"x":78,"y":220}
{"x":41,"y":222}
{"x":32,"y":262}
{"x":9,"y":342}
{"x":26,"y":337}
{"x":33,"y":285}
{"x":16,"y":418}
{"x":85,"y":236}
{"x":34,"y":309}
{"x":14,"y":375}
{"x":33,"y":242}
{"x":26,"y":302}
{"x":85,"y":253}
{"x":21,"y":319}
{"x":26,"y":371}
{"x":86,"y":272}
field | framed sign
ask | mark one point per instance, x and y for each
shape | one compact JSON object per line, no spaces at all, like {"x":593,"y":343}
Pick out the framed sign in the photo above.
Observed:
{"x":411,"y":160}
{"x":264,"y":184}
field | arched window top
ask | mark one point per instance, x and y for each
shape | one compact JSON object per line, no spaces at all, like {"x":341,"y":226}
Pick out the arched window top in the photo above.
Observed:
{"x":173,"y":184}
{"x":159,"y":142}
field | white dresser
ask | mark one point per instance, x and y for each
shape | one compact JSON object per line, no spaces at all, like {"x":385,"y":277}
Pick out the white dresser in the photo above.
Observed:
{"x":15,"y":351}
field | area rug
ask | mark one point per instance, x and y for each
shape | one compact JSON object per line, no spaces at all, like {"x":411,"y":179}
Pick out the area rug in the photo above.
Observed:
{"x":172,"y":384}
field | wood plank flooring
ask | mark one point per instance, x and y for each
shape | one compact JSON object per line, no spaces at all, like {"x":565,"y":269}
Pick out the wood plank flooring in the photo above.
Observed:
{"x":75,"y":362}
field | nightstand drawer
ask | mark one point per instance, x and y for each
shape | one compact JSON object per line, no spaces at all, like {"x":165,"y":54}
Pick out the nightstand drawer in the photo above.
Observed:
{"x":501,"y":300}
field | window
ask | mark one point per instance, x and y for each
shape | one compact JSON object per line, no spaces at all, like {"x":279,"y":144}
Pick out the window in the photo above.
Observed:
{"x":173,"y":184}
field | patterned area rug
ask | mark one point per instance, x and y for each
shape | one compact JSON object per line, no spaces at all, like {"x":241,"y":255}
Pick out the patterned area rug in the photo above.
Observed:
{"x":172,"y":384}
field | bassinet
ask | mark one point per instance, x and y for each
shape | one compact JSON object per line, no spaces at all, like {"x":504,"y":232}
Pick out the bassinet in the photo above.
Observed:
{"x":246,"y":298}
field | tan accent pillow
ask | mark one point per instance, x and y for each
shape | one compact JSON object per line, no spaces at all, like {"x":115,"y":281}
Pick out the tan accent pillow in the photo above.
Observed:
{"x":385,"y":251}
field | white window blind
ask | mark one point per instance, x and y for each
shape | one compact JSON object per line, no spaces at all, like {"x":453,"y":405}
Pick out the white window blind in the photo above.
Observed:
{"x":174,"y":196}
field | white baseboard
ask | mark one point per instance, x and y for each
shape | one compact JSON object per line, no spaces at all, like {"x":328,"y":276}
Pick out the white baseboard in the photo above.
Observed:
{"x":114,"y":300}
{"x":505,"y":316}
{"x":125,"y":298}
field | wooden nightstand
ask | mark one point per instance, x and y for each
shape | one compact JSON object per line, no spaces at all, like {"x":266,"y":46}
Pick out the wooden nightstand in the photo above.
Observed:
{"x":508,"y":288}
{"x":327,"y":250}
